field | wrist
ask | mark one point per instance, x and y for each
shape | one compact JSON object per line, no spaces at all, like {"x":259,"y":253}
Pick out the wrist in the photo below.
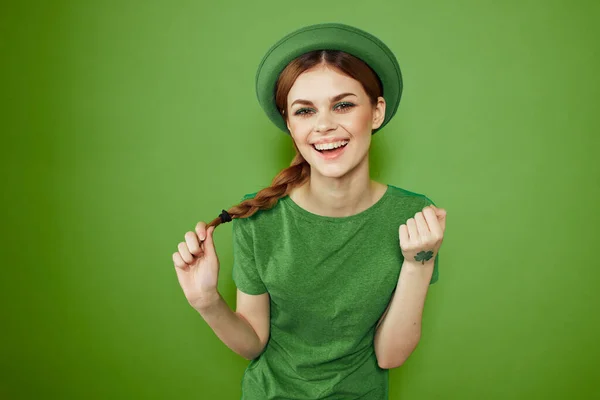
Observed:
{"x":419,"y":264}
{"x":418,"y":267}
{"x":207,"y":301}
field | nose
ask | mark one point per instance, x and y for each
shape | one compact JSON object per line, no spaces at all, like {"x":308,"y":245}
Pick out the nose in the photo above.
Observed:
{"x":324,"y":122}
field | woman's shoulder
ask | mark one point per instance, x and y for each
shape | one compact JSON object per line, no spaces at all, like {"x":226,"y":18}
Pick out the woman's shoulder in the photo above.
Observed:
{"x":261,"y":215}
{"x":404,"y":195}
{"x":248,"y":196}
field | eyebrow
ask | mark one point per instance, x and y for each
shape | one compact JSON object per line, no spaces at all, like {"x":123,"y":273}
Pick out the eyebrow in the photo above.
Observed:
{"x":335,"y":98}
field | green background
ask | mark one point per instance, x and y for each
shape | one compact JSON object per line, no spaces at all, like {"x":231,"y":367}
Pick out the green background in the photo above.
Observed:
{"x":126,"y":123}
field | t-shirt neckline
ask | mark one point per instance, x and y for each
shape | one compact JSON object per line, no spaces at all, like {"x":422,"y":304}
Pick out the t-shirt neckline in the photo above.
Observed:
{"x":287,"y":200}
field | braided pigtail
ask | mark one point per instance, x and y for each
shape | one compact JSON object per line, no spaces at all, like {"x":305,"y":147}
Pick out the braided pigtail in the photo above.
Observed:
{"x":282,"y":184}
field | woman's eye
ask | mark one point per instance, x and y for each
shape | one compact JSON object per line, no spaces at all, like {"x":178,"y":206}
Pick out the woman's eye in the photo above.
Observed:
{"x":340,"y":106}
{"x":347,"y":105}
{"x":301,"y":111}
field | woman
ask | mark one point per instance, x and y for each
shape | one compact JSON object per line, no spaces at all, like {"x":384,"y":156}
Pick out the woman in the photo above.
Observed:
{"x":319,"y":255}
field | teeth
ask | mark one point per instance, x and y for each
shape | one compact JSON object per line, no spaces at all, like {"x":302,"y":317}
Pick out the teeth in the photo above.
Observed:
{"x":329,"y":146}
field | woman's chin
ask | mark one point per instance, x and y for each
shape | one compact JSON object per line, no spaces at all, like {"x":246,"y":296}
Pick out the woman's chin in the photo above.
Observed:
{"x":330,"y":171}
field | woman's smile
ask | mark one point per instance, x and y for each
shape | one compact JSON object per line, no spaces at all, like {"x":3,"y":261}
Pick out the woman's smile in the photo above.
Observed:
{"x":333,"y":153}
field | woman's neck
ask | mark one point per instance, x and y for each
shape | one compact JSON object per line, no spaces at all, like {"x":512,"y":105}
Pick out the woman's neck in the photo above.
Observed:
{"x":337,"y":198}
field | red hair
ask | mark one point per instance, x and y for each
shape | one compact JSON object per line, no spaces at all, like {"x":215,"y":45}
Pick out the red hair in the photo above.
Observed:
{"x":299,"y":170}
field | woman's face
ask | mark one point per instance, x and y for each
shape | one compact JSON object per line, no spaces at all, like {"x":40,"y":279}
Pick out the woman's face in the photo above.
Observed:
{"x":321,"y":110}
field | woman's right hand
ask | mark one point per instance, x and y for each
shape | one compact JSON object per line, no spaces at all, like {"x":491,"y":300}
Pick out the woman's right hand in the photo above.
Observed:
{"x":197,"y":266}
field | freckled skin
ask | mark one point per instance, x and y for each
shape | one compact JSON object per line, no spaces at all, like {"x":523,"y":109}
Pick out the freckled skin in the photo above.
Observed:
{"x":328,"y":119}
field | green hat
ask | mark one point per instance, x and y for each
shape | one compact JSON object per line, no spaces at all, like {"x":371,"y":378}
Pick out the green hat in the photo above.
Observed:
{"x":328,"y":36}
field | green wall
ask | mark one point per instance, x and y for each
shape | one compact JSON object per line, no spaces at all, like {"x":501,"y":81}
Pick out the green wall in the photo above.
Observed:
{"x":125,"y":123}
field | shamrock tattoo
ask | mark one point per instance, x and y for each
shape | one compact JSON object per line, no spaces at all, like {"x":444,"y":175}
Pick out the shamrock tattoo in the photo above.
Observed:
{"x":421,"y":236}
{"x":424,"y":256}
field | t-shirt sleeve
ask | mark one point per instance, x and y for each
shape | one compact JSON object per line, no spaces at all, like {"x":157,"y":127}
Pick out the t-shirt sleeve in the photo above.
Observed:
{"x":436,"y":272}
{"x":244,"y":271}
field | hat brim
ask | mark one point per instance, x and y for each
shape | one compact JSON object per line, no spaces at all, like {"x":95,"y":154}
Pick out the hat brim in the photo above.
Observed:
{"x":328,"y":36}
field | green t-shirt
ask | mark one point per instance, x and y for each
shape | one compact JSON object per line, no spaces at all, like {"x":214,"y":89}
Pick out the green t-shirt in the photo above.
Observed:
{"x":330,"y":279}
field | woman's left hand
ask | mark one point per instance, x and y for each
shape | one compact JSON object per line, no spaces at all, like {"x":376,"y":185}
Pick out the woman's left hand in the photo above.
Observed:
{"x":422,"y":236}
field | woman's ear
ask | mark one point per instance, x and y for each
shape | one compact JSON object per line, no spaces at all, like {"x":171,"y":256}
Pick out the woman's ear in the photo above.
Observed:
{"x":285,"y":118}
{"x":379,"y":113}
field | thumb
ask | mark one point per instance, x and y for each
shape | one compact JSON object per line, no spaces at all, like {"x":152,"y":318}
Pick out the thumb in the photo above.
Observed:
{"x":209,"y":245}
{"x":441,"y":216}
{"x":440,"y":212}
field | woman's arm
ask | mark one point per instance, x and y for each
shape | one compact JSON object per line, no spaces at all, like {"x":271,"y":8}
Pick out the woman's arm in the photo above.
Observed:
{"x":232,"y":328}
{"x":399,"y":331}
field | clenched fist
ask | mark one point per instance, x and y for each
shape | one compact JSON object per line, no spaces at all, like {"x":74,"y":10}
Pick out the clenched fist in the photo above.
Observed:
{"x":421,"y":236}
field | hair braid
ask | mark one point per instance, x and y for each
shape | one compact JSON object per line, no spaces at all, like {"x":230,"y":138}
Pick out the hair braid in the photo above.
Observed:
{"x":282,"y":184}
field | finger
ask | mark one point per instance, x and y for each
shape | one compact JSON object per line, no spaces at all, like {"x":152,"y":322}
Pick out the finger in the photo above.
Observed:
{"x":422,"y":225}
{"x":185,"y":253}
{"x":178,"y":261}
{"x":441,"y":216}
{"x":191,"y":239}
{"x":432,"y":221}
{"x":209,"y":247}
{"x":201,"y":230}
{"x":403,"y":234}
{"x":182,"y":270}
{"x":439,"y":212}
{"x":413,"y":233}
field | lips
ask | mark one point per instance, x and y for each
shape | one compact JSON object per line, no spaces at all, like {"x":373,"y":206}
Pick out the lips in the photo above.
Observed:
{"x":333,"y":140}
{"x":332,"y":154}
